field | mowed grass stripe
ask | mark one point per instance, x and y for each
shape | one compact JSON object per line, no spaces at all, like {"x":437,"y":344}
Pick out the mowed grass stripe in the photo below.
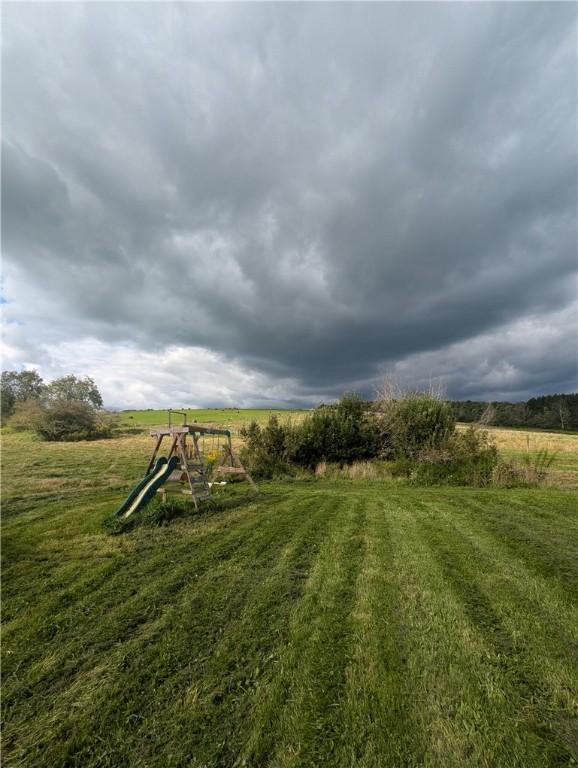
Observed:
{"x":376,"y":719}
{"x":538,"y":527}
{"x":548,"y":611}
{"x":505,"y":606}
{"x":460,"y":698}
{"x":296,"y":716}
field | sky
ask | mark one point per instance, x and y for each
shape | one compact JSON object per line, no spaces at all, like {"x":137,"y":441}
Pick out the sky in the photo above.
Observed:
{"x":271,"y":204}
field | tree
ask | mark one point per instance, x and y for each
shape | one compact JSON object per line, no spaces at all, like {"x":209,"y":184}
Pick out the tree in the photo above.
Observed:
{"x":68,"y":388}
{"x":563,"y":413}
{"x":487,"y":416}
{"x":18,"y":386}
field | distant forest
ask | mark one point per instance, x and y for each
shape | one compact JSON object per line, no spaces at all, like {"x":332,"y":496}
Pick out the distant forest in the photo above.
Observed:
{"x":547,"y":412}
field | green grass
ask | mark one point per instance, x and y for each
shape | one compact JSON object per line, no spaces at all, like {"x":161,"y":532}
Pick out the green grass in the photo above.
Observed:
{"x":325,"y":623}
{"x":228,"y":417}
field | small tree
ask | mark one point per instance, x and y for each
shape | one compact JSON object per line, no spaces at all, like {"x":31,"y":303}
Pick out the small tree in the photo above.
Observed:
{"x":72,"y":388}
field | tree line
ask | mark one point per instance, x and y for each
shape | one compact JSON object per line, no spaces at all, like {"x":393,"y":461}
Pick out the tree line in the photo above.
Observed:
{"x":545,"y":412}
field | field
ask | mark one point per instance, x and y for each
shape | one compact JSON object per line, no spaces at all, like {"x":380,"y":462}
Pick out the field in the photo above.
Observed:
{"x":514,"y":444}
{"x":323,"y":623}
{"x":228,"y":418}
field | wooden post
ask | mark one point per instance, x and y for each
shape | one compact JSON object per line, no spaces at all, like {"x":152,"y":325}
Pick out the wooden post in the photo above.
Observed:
{"x":182,"y":445}
{"x":153,"y":457}
{"x":173,"y":445}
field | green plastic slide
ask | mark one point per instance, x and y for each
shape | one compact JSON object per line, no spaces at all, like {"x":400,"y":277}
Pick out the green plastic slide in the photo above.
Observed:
{"x":147,"y":487}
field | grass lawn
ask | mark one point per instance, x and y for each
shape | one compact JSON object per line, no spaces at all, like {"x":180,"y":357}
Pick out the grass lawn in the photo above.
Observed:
{"x":325,"y":623}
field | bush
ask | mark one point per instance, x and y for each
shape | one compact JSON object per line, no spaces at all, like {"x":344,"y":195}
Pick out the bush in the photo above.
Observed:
{"x":415,"y":423}
{"x":506,"y":474}
{"x":466,"y":458}
{"x":27,"y":415}
{"x":17,"y":387}
{"x":70,"y":420}
{"x":265,"y":454}
{"x":418,"y":430}
{"x":341,"y":433}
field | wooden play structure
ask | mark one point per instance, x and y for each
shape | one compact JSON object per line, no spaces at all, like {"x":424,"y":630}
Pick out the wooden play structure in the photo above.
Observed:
{"x":183,"y":469}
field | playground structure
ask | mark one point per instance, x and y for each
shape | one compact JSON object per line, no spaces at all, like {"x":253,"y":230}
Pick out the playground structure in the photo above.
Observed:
{"x":183,"y":469}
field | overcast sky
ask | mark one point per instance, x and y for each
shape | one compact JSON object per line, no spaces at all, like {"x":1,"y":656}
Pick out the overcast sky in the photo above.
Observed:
{"x":260,"y":204}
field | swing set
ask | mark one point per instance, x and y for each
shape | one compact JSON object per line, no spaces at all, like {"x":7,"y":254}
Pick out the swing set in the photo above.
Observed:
{"x":183,"y":469}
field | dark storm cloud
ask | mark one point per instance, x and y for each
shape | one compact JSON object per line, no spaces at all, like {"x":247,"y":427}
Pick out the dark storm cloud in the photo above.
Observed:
{"x":319,"y":191}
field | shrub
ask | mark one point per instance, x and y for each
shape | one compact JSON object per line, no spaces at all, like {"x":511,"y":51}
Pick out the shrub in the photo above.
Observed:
{"x":466,"y":458}
{"x":341,"y":433}
{"x":506,"y":474}
{"x":7,"y":403}
{"x":27,"y":415}
{"x":415,"y":423}
{"x":265,"y":453}
{"x":71,"y":420}
{"x":17,"y":387}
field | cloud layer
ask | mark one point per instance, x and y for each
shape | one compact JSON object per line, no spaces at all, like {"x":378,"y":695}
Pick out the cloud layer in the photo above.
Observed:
{"x":300,"y":195}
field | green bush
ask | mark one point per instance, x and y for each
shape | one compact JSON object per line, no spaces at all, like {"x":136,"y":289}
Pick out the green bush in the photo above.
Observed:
{"x":266,"y":449}
{"x":340,"y":433}
{"x":415,"y":423}
{"x":465,"y":458}
{"x":70,"y":420}
{"x":417,"y":430}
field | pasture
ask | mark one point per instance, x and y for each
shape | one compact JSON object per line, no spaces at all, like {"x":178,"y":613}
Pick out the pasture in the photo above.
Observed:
{"x":227,"y":418}
{"x":323,"y":623}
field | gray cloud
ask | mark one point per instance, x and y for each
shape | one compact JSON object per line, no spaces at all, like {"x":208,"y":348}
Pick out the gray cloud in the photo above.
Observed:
{"x":315,"y":192}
